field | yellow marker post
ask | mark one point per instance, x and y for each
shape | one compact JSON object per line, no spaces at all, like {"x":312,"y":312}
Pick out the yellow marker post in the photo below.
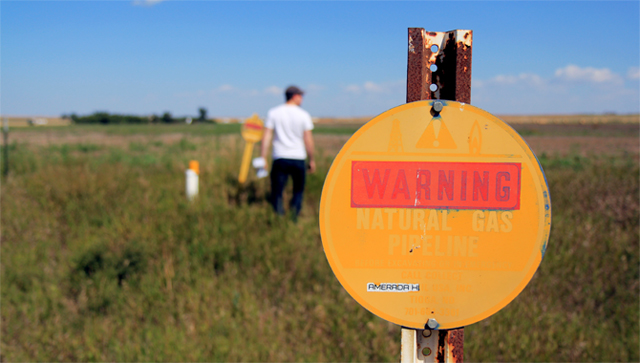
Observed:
{"x":252,"y":131}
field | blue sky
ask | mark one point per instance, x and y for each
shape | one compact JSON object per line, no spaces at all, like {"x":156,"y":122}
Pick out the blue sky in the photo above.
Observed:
{"x":235,"y":58}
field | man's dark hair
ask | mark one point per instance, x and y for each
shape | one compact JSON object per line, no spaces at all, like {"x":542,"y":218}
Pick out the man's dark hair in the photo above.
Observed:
{"x":292,"y":91}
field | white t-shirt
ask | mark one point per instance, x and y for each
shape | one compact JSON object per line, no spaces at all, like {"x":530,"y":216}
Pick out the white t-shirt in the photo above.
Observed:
{"x":288,"y":122}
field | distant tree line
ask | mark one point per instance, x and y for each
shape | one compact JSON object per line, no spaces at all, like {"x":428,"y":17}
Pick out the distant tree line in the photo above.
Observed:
{"x":102,"y":117}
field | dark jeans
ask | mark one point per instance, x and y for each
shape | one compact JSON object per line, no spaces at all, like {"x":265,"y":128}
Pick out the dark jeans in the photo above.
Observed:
{"x":280,"y":172}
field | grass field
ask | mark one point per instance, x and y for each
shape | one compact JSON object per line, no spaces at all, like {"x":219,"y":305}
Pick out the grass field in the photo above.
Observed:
{"x":103,"y":259}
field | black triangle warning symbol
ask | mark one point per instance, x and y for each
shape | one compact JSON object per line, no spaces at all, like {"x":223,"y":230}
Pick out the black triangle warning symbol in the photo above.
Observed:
{"x":436,"y":136}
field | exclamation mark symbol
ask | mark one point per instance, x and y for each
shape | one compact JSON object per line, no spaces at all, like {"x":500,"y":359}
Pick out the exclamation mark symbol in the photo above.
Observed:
{"x":436,"y":136}
{"x":436,"y":131}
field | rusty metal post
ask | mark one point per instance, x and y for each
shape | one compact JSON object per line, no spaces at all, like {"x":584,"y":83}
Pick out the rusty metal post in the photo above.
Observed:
{"x":437,"y":346}
{"x":438,"y":67}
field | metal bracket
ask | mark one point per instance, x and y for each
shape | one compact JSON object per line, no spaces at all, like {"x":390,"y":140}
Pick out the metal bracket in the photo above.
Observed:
{"x":439,"y":65}
{"x":427,"y":346}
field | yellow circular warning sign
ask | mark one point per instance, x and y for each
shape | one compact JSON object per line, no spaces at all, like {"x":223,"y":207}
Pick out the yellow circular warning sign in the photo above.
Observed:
{"x":429,"y":215}
{"x":252,"y":129}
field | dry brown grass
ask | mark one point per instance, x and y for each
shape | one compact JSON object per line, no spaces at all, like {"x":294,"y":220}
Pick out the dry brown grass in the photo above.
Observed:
{"x":551,"y":139}
{"x":516,"y":119}
{"x":570,"y":119}
{"x":27,"y":121}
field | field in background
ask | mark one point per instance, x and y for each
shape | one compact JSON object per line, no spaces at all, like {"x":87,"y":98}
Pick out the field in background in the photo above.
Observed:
{"x":32,"y":121}
{"x":104,"y":260}
{"x":562,"y":139}
{"x":25,"y":121}
{"x":513,"y":119}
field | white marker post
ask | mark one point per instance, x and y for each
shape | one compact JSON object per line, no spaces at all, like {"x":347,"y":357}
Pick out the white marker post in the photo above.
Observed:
{"x":192,"y":179}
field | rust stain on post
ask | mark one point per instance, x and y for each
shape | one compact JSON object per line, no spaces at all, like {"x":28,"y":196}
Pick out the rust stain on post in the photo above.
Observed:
{"x":418,"y":74}
{"x":451,"y":56}
{"x":449,"y":346}
{"x":442,"y":345}
{"x":456,"y":345}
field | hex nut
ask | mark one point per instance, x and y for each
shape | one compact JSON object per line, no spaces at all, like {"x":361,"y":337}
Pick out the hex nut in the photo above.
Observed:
{"x":432,"y":323}
{"x":437,"y":106}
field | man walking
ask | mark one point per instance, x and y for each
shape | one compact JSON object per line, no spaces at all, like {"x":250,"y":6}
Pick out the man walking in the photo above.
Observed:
{"x":289,"y":127}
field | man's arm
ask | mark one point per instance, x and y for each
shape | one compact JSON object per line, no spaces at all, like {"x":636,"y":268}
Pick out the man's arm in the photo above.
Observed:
{"x":266,"y":142}
{"x":309,"y":146}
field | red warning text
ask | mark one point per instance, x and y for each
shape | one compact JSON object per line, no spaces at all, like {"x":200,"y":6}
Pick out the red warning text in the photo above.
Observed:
{"x":252,"y":126}
{"x":435,"y":185}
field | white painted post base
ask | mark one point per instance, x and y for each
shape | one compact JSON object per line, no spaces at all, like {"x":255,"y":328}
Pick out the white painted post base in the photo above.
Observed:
{"x":191,"y":184}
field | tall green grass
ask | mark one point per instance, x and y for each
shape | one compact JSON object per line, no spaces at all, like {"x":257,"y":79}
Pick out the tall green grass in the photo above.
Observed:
{"x":103,"y":259}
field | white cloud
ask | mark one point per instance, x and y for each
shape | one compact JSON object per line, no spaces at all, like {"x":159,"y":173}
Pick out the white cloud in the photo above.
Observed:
{"x":315,"y":87}
{"x":146,"y":2}
{"x":225,"y":88}
{"x":274,"y":90}
{"x":569,"y":89}
{"x":372,"y":87}
{"x":352,"y":88}
{"x":527,"y":78}
{"x":633,"y":73}
{"x":575,"y":73}
{"x":566,"y":76}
